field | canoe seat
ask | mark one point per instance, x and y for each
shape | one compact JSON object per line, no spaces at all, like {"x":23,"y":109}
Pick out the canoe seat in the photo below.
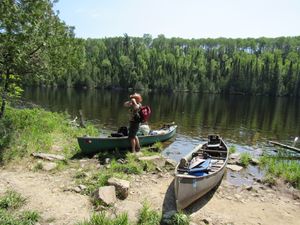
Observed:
{"x":214,"y":141}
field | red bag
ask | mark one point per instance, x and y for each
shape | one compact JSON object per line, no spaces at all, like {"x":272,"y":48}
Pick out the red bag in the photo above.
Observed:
{"x":144,"y":113}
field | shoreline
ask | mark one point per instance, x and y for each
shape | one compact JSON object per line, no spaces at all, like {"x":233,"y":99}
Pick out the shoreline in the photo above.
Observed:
{"x":53,"y":195}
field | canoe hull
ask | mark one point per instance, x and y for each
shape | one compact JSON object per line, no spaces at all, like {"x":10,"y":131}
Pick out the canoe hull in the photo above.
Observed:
{"x":189,"y":188}
{"x":91,"y":145}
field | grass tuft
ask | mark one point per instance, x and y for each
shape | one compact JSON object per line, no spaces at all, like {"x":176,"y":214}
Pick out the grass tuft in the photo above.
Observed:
{"x":102,"y":219}
{"x":245,"y":159}
{"x":232,"y":149}
{"x":279,"y":166}
{"x":148,"y":216}
{"x":180,"y":219}
{"x":9,"y":203}
{"x":11,"y":200}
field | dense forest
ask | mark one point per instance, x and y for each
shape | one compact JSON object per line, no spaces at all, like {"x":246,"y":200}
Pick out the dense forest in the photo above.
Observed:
{"x":37,"y":48}
{"x":267,"y":66}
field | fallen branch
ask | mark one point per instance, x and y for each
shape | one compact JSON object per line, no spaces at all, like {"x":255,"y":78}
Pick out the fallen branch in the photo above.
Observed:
{"x":285,"y":146}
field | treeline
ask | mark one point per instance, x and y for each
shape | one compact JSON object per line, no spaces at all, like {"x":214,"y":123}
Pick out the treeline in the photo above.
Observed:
{"x":37,"y":48}
{"x":266,"y":66}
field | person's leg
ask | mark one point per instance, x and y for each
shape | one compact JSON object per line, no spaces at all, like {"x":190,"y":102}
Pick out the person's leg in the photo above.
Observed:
{"x":137,"y":144}
{"x":133,"y":144}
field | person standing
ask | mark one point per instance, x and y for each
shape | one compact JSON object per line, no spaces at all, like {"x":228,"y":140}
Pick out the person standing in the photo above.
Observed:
{"x":134,"y":104}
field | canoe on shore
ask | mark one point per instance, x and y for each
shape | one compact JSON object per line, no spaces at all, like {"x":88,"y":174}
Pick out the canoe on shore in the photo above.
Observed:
{"x":200,"y":171}
{"x":92,"y":145}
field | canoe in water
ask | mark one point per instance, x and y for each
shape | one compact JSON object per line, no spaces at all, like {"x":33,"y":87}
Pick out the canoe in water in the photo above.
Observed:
{"x":200,"y":171}
{"x":92,"y":145}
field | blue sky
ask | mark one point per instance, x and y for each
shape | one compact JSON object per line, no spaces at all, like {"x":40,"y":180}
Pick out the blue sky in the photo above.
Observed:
{"x":182,"y":18}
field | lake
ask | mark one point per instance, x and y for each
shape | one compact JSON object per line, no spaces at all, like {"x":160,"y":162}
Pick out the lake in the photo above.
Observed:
{"x":244,"y":121}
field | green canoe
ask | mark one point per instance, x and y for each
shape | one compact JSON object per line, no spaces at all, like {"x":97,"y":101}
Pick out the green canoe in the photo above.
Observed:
{"x":91,"y":145}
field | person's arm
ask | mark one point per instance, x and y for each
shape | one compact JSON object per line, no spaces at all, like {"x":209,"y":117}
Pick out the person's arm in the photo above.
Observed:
{"x":134,"y":104}
{"x":127,"y":104}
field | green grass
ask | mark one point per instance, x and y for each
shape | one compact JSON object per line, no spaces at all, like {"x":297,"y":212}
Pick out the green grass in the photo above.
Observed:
{"x":245,"y":159}
{"x":36,"y":130}
{"x":11,"y":200}
{"x":148,"y":216}
{"x":279,"y":166}
{"x":158,"y":146}
{"x":180,"y":219}
{"x":232,"y":149}
{"x":9,"y":214}
{"x":131,"y":166}
{"x":102,"y":219}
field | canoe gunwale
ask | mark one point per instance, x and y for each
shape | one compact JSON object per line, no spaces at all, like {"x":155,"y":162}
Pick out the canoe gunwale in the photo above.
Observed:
{"x":172,"y":128}
{"x":183,"y":181}
{"x":92,"y":145}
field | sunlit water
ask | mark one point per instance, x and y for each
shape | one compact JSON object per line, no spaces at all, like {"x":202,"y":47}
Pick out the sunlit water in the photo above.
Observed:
{"x":244,"y":122}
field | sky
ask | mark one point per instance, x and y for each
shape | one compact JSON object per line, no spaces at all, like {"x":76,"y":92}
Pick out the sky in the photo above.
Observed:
{"x":181,"y":18}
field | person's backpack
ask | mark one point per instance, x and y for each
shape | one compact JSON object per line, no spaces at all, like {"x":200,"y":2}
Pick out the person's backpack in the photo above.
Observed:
{"x":123,"y":130}
{"x":144,"y":113}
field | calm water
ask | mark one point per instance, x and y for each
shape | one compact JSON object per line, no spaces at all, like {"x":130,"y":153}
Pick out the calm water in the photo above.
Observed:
{"x":240,"y":120}
{"x":245,"y":122}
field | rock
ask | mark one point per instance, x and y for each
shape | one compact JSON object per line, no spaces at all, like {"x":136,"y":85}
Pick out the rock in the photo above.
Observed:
{"x":122,"y":161}
{"x":207,"y":220}
{"x":234,"y":167}
{"x":122,"y":187}
{"x":156,"y":159}
{"x":237,"y":196}
{"x":77,"y":189}
{"x":170,"y":162}
{"x":158,"y":169}
{"x":82,"y":187}
{"x":131,"y":208}
{"x":234,"y":158}
{"x":106,"y":194}
{"x":258,"y":180}
{"x":249,"y":188}
{"x":99,"y":166}
{"x":47,"y":156}
{"x":48,"y":166}
{"x":107,"y":160}
{"x":254,"y":161}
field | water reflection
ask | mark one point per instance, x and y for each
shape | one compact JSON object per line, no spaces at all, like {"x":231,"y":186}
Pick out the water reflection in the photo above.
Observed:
{"x":240,"y":119}
{"x":243,"y":121}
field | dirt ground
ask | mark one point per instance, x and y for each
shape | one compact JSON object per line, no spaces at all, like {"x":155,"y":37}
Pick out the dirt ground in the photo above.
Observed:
{"x":48,"y":194}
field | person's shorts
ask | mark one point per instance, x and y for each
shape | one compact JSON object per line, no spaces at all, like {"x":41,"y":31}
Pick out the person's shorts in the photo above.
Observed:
{"x":133,"y":129}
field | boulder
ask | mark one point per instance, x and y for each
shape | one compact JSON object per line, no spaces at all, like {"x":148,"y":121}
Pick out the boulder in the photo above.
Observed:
{"x":171,"y":163}
{"x":234,"y":167}
{"x":106,"y":194}
{"x":122,"y":187}
{"x":234,"y":158}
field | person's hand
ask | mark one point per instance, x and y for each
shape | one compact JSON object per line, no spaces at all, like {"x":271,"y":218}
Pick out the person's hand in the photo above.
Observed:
{"x":133,"y":101}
